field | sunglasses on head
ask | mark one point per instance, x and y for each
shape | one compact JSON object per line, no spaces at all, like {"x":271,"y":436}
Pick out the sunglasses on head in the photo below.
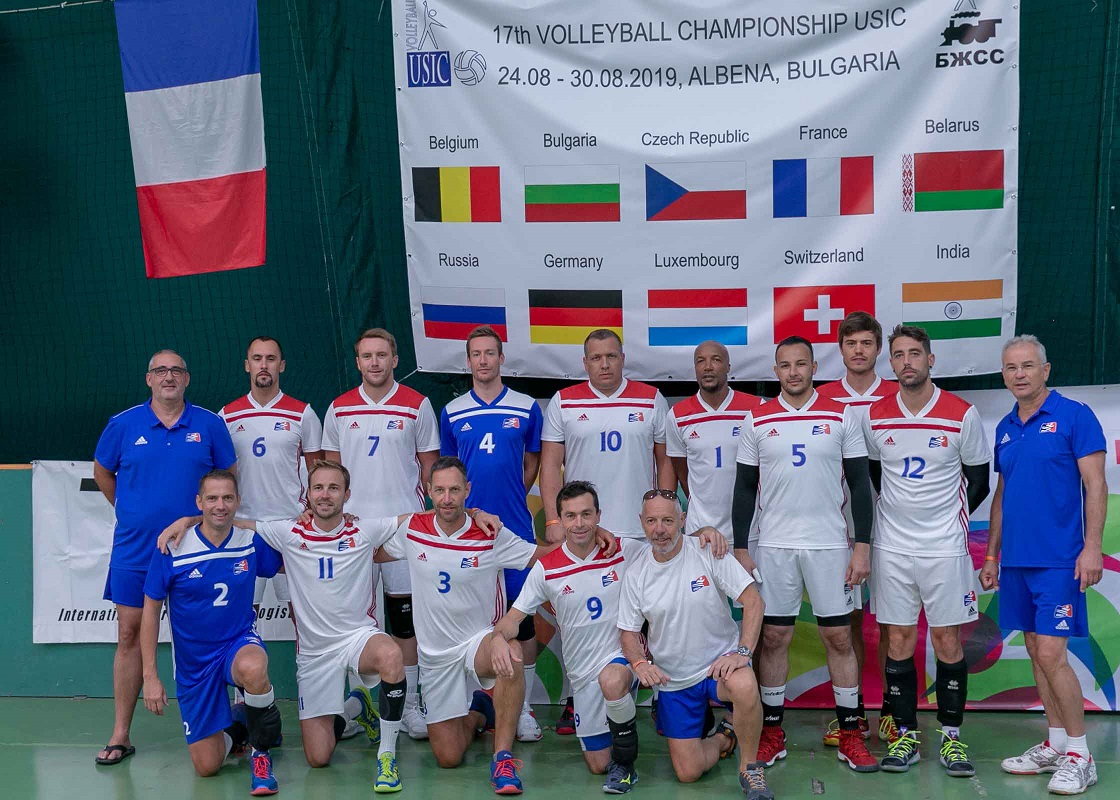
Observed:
{"x":668,"y":495}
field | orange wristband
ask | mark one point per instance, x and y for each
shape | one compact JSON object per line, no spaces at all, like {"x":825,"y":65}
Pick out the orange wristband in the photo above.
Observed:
{"x":990,"y":558}
{"x":552,"y":522}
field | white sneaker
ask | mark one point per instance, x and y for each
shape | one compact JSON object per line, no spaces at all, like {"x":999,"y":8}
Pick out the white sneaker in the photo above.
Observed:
{"x":1075,"y":774}
{"x":414,"y":724}
{"x":1038,"y":759}
{"x":527,"y":728}
{"x":352,"y":729}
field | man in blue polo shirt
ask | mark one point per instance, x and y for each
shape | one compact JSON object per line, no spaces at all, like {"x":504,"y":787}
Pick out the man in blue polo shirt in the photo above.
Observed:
{"x":148,"y":463}
{"x":1048,"y":516}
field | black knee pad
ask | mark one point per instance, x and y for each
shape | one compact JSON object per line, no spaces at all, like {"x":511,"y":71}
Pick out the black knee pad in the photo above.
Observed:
{"x":264,"y":726}
{"x":398,"y":613}
{"x":779,"y":622}
{"x":339,"y":727}
{"x":527,"y":630}
{"x":839,"y":621}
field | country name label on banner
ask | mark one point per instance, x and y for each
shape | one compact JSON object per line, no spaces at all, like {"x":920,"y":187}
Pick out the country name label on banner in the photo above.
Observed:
{"x":954,"y":309}
{"x":687,"y":317}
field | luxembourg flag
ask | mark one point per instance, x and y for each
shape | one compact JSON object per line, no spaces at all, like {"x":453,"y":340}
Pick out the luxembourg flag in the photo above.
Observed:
{"x":193,"y":93}
{"x":824,"y":187}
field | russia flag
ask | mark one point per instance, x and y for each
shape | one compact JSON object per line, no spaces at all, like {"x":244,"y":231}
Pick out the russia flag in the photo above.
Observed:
{"x":193,"y":93}
{"x":824,"y":187}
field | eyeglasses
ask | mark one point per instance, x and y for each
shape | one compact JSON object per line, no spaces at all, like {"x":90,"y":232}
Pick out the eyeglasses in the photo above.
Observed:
{"x":162,"y":372}
{"x":652,"y":493}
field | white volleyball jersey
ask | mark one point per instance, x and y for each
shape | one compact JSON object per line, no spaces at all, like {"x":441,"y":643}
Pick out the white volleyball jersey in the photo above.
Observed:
{"x":923,"y":507}
{"x":271,"y":441}
{"x":455,"y":579}
{"x":378,"y":443}
{"x":685,"y":602}
{"x":330,"y":576}
{"x":584,"y":593}
{"x":608,"y":440}
{"x":709,"y":439}
{"x":800,"y":453}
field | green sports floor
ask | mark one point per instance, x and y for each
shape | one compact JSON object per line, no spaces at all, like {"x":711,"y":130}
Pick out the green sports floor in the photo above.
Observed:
{"x":47,"y":748}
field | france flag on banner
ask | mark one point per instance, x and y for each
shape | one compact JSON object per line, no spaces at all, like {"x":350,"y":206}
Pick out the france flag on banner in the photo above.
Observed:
{"x":192,"y":82}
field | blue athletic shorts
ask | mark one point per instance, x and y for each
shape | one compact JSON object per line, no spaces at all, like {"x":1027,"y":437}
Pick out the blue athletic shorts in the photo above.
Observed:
{"x":680,"y":714}
{"x":125,"y":587}
{"x":204,"y":703}
{"x":515,"y":579}
{"x":1042,"y":600}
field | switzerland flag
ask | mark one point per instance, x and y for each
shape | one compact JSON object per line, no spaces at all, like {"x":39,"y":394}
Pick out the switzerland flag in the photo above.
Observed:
{"x":815,"y":312}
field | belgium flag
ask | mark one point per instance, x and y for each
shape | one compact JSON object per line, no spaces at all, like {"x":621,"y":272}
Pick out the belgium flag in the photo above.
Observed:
{"x":457,"y":194}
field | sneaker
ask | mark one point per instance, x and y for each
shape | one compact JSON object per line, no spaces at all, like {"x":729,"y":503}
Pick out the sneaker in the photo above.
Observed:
{"x":771,"y":745}
{"x":753,"y":781}
{"x":1038,"y":759}
{"x":727,"y":729}
{"x":369,"y":719}
{"x":1074,"y":775}
{"x":414,"y":723}
{"x":566,"y":725}
{"x":831,"y":736}
{"x":903,"y":752}
{"x":503,"y":773}
{"x":954,"y":758}
{"x":888,"y":731}
{"x":264,"y":782}
{"x":239,"y":732}
{"x":388,"y":779}
{"x":619,"y":779}
{"x":853,"y":751}
{"x":484,"y":705}
{"x":527,"y":728}
{"x":351,"y":730}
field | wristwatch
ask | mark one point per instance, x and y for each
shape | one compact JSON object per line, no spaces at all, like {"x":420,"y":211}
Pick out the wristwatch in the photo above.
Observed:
{"x":744,"y":651}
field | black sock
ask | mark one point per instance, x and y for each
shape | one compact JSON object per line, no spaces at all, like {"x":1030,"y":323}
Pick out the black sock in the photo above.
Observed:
{"x":952,"y":692}
{"x":339,"y":727}
{"x":390,"y":700}
{"x":902,"y":692}
{"x":624,"y":742}
{"x":861,"y":712}
{"x":772,"y":716}
{"x":238,"y":733}
{"x":847,"y":718}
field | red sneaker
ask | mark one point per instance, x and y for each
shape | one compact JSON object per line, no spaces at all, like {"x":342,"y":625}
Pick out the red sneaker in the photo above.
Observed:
{"x":853,"y":751}
{"x":566,"y":725}
{"x":771,"y":744}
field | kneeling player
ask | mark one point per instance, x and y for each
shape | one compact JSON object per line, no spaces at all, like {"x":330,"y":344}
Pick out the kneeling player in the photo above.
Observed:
{"x":698,"y":654}
{"x":208,"y":578}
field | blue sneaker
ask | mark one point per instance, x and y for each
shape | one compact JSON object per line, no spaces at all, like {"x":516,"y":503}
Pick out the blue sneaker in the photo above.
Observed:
{"x":484,"y":705}
{"x":388,"y":778}
{"x":503,"y":773}
{"x":264,"y":782}
{"x":369,"y":719}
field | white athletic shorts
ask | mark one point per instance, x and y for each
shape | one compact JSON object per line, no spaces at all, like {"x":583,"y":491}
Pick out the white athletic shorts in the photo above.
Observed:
{"x":787,"y":573}
{"x":279,"y":588}
{"x":448,"y":680}
{"x":903,"y":584}
{"x":322,"y":679}
{"x":591,"y":707}
{"x":395,"y":577}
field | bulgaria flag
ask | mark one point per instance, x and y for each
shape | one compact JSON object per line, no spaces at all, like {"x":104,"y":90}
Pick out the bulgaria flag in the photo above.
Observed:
{"x":694,"y":190}
{"x":954,"y":309}
{"x":192,"y":90}
{"x":824,"y":187}
{"x":572,"y":194}
{"x":960,"y":180}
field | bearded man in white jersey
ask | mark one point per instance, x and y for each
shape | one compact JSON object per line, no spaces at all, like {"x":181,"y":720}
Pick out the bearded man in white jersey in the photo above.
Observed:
{"x":610,"y":432}
{"x":930,"y":462}
{"x":860,"y":338}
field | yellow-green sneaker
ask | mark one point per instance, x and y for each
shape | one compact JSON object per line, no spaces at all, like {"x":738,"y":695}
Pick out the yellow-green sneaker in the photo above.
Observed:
{"x":388,"y":779}
{"x":369,"y":719}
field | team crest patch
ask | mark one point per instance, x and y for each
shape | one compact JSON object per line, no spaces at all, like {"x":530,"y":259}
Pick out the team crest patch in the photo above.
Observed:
{"x":346,"y":544}
{"x":1049,"y":427}
{"x":736,"y":430}
{"x":969,"y":597}
{"x":700,"y":583}
{"x":637,"y":416}
{"x":822,"y":430}
{"x":395,"y":425}
{"x":282,"y":426}
{"x":511,"y":422}
{"x":610,"y":578}
{"x":1063,"y":611}
{"x":194,"y":437}
{"x":469,"y":562}
{"x":241,"y":566}
{"x":939,"y":441}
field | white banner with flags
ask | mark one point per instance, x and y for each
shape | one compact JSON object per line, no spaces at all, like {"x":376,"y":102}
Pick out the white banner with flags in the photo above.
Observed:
{"x":73,"y":532}
{"x":738,"y":171}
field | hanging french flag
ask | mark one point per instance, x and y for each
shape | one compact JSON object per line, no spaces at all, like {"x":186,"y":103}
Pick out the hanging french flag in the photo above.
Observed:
{"x":192,"y":82}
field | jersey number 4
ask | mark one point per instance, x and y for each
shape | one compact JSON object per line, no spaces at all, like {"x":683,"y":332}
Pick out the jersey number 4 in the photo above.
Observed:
{"x":487,"y":443}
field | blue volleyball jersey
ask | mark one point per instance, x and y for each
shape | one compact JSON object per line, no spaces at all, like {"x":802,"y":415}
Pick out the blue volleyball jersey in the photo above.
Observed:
{"x":209,"y":590}
{"x":491,"y":439}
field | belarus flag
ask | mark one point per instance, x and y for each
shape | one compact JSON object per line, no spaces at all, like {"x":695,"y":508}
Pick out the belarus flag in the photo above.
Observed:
{"x":815,"y":312}
{"x":696,"y":190}
{"x":193,"y":92}
{"x":824,"y":187}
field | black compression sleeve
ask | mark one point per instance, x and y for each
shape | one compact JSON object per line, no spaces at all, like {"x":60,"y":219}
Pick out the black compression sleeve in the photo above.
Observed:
{"x":875,"y":470}
{"x":976,"y":476}
{"x":863,"y":507}
{"x":743,"y":503}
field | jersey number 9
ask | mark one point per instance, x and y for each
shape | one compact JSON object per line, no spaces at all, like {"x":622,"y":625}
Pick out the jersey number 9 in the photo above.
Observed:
{"x":595,"y":607}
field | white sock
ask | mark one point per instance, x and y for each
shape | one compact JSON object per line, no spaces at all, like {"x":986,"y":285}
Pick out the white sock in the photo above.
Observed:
{"x":530,"y":681}
{"x":412,"y":679}
{"x":238,"y":695}
{"x":260,"y":700}
{"x":951,"y":731}
{"x":622,"y":710}
{"x":1057,"y":738}
{"x":351,"y":708}
{"x":1077,"y":744}
{"x":229,"y":744}
{"x":773,"y":695}
{"x":389,"y":731}
{"x":844,"y":697}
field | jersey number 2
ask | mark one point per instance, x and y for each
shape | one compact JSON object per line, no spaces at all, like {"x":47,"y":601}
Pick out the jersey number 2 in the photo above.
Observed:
{"x":223,"y":590}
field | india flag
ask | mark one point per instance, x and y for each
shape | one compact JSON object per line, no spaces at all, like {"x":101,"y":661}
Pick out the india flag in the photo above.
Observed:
{"x":954,"y":309}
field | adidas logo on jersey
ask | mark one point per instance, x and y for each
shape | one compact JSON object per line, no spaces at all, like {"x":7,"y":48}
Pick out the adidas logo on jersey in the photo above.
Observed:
{"x":1062,"y":626}
{"x":772,"y":432}
{"x":700,"y":583}
{"x":141,"y":440}
{"x":303,"y":545}
{"x":889,"y":441}
{"x":567,"y":590}
{"x":694,"y":435}
{"x":1005,"y":439}
{"x":422,"y":557}
{"x":195,"y":573}
{"x":466,"y":427}
{"x":583,"y":418}
{"x":354,"y":426}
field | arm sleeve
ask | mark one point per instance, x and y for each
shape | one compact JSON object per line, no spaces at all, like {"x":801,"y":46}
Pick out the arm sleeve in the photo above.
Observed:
{"x":221,"y":448}
{"x":532,"y":591}
{"x":553,"y":430}
{"x":536,"y":423}
{"x":974,"y":443}
{"x":158,"y":581}
{"x":863,"y":506}
{"x":447,"y":444}
{"x":311,"y":431}
{"x":330,"y":431}
{"x":674,"y":444}
{"x":427,"y":431}
{"x":730,"y":576}
{"x":268,"y":560}
{"x":1086,"y":436}
{"x":629,"y":611}
{"x":977,"y":486}
{"x":660,"y":417}
{"x":513,"y":552}
{"x":875,"y":472}
{"x":743,"y":503}
{"x":108,"y":452}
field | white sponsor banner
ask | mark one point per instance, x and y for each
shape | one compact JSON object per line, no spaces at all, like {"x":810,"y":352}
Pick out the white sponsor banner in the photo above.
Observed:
{"x":740,"y":171}
{"x":73,"y":531}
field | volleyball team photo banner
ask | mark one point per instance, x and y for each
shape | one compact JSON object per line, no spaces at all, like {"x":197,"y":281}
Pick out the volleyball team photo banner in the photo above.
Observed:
{"x":737,"y":171}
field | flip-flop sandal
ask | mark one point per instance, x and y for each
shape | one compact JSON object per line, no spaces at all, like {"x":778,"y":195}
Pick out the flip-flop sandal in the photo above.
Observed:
{"x":725,"y":728}
{"x":124,"y":750}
